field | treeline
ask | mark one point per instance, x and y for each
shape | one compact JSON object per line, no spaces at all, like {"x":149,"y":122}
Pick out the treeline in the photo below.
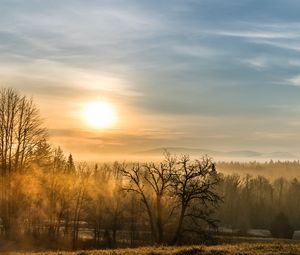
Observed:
{"x":260,"y":203}
{"x":270,"y":169}
{"x":72,"y":205}
{"x":47,"y":199}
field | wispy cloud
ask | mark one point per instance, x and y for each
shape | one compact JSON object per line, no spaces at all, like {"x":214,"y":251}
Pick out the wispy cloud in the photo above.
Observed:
{"x":295,"y":81}
{"x":260,"y":34}
{"x":257,"y":63}
{"x":288,"y":45}
{"x":198,"y":51}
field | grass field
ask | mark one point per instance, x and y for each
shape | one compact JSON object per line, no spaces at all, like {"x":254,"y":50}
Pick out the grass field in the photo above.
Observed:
{"x":235,"y":249}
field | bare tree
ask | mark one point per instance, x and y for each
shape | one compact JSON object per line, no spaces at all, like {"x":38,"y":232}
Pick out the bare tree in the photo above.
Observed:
{"x":21,"y":134}
{"x":20,"y":130}
{"x":151,"y":182}
{"x":194,"y":183}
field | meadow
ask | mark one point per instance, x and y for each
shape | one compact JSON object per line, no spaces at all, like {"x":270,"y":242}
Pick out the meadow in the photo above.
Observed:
{"x":270,"y":247}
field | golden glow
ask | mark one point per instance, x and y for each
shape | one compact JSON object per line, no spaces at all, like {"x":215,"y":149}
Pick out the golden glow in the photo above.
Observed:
{"x":99,"y":114}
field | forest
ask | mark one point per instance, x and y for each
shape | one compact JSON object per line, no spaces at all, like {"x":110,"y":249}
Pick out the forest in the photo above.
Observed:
{"x":48,"y":200}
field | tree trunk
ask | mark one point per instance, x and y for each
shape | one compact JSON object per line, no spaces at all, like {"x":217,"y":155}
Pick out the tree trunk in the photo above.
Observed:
{"x":160,"y":229}
{"x":179,"y":226}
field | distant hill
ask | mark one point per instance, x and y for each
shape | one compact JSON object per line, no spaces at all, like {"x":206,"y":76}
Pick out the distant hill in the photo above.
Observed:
{"x":224,"y":154}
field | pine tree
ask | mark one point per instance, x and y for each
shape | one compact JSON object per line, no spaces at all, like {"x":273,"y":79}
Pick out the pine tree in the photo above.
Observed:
{"x":70,"y":164}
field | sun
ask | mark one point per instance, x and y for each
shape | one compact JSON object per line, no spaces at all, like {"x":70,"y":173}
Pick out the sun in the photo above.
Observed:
{"x":99,"y":114}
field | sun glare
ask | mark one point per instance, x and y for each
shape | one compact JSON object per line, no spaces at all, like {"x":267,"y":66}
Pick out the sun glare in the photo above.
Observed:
{"x":99,"y":114}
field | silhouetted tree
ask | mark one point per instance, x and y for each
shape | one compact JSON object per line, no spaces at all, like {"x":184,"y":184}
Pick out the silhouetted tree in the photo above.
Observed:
{"x":70,"y":166}
{"x":194,"y":183}
{"x":151,"y":182}
{"x":171,"y":184}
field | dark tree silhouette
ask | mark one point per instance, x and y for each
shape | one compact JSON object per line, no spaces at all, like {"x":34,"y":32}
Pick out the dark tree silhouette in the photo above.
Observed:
{"x":171,"y":184}
{"x":194,"y":183}
{"x":70,"y":166}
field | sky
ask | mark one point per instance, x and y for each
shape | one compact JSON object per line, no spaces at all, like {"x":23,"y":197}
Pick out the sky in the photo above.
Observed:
{"x":213,"y":74}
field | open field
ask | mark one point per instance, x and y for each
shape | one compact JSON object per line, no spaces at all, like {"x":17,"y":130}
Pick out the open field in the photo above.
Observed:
{"x":279,"y":247}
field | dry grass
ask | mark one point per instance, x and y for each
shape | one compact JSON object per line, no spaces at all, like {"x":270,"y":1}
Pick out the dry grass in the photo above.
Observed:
{"x":236,"y":249}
